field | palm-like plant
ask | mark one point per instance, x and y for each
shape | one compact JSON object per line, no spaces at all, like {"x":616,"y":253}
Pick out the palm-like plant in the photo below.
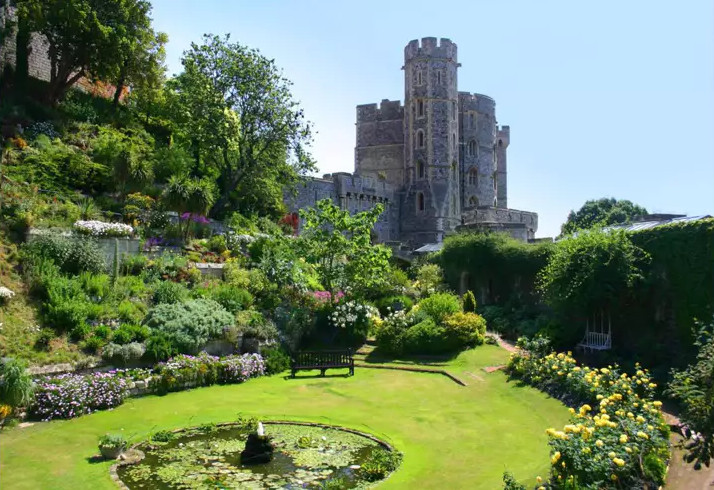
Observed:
{"x":16,"y":386}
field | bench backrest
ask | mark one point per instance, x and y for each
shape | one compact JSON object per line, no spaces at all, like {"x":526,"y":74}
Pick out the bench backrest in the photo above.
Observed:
{"x":597,"y":339}
{"x":322,"y":358}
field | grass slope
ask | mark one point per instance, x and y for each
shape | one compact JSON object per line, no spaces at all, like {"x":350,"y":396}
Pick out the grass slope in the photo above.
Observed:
{"x":451,"y":436}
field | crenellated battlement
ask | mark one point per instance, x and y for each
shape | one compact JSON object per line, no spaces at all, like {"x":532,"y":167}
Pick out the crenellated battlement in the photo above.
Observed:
{"x":431,"y":48}
{"x":387,"y":110}
{"x":477,"y":102}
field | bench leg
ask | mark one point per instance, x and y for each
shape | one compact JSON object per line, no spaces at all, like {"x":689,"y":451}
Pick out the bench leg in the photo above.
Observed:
{"x":322,"y":372}
{"x":293,"y":372}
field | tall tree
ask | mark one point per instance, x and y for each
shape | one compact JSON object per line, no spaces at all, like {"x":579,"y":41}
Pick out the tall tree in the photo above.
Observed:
{"x":601,"y":212}
{"x":86,"y":38}
{"x":235,"y":109}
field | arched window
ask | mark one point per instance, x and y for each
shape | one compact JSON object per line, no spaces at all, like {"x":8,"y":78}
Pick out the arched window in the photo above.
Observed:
{"x":473,"y":148}
{"x":473,"y":176}
{"x":420,"y":202}
{"x":471,"y":120}
{"x":420,"y":108}
{"x":438,"y":77}
{"x":500,"y":142}
{"x":420,"y":79}
{"x":420,"y":138}
{"x":420,"y":169}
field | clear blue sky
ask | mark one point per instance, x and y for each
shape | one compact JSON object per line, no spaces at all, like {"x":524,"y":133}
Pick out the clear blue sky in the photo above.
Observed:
{"x":604,"y":99}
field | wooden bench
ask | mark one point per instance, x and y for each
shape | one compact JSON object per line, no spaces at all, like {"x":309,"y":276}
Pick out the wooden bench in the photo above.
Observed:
{"x":322,"y":360}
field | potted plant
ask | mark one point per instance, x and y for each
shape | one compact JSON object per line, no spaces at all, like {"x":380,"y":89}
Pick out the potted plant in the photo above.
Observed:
{"x":112,"y":445}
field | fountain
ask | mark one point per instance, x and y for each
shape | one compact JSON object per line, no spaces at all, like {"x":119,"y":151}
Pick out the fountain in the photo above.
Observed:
{"x":258,"y":448}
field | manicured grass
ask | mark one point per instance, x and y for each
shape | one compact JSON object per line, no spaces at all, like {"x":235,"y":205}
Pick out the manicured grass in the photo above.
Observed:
{"x":451,"y":436}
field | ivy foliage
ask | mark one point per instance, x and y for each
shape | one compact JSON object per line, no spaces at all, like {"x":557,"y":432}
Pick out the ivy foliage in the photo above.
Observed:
{"x":591,"y":271}
{"x":497,"y":266}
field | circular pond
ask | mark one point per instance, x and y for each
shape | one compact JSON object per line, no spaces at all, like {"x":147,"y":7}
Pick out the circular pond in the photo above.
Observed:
{"x":305,"y":456}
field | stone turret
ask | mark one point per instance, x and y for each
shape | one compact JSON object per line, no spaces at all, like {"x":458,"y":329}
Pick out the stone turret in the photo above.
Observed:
{"x":431,"y":202}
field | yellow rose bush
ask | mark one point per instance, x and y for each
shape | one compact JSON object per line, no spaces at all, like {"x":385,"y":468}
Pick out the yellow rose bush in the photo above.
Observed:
{"x":616,"y":438}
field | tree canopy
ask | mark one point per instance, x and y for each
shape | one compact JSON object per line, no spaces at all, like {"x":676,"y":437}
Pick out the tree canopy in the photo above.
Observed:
{"x":234,"y":109}
{"x":108,"y":41}
{"x":604,"y":211}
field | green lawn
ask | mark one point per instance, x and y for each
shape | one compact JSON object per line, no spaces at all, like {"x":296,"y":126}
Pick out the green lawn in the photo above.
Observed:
{"x":451,"y":436}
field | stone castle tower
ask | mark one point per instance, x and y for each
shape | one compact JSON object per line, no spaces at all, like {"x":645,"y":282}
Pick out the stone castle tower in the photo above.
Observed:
{"x":440,"y":159}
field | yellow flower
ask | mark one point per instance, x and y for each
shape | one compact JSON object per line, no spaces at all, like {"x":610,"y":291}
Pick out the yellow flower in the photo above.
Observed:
{"x":623,"y":438}
{"x":586,"y":450}
{"x":585,"y":408}
{"x":555,"y":458}
{"x":619,"y":462}
{"x":599,"y":397}
{"x":611,"y":454}
{"x":613,"y":477}
{"x":640,"y":418}
{"x":539,"y":479}
{"x":642,"y":435}
{"x":599,"y":443}
{"x":628,"y":450}
{"x":657,"y":403}
{"x":571,"y":410}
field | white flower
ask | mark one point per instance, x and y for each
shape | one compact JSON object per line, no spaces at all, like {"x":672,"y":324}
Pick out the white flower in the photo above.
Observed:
{"x":6,"y":293}
{"x":100,"y":228}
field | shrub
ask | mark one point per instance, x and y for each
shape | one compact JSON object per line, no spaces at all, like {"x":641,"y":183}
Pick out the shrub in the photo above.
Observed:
{"x":351,"y":321}
{"x":380,"y":463}
{"x":68,"y":315}
{"x":217,"y":244}
{"x":429,"y":278}
{"x":390,"y":334}
{"x":95,"y":285}
{"x":71,"y":395}
{"x":123,"y":354}
{"x":439,"y":305}
{"x":16,"y":386}
{"x":426,"y":337}
{"x":130,"y":332}
{"x":71,"y":255}
{"x":611,"y":442}
{"x":169,"y":292}
{"x":253,"y":325}
{"x":114,"y":441}
{"x":394,"y":303}
{"x":189,"y":325}
{"x":134,"y":264}
{"x":93,"y":344}
{"x":232,"y":298}
{"x":276,"y":360}
{"x":130,"y":311}
{"x":159,"y":347}
{"x":464,"y":330}
{"x":162,"y":436}
{"x":469,"y":302}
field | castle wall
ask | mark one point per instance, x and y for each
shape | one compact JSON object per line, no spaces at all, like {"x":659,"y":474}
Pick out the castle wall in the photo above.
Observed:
{"x":380,"y":141}
{"x":520,"y":224}
{"x":354,"y":193}
{"x":38,"y":61}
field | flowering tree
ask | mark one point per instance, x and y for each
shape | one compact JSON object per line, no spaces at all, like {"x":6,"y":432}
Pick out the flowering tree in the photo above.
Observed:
{"x":340,"y":246}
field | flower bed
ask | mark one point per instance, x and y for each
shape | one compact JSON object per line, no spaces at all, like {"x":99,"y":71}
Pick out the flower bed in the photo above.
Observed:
{"x":5,"y":294}
{"x":204,"y":370}
{"x":71,"y":395}
{"x":617,"y":437}
{"x":103,"y":229}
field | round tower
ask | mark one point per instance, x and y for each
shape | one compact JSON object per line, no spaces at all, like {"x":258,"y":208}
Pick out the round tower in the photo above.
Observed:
{"x":431,"y":204}
{"x":479,"y":150}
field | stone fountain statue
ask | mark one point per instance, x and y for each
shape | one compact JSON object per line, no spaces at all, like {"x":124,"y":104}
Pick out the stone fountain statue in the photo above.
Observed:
{"x":258,"y":448}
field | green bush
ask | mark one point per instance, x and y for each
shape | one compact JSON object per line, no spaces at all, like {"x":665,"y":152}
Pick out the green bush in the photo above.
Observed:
{"x":95,"y":285}
{"x":93,"y":344}
{"x":159,"y":347}
{"x":276,"y":360}
{"x":429,"y":279}
{"x":217,"y":244}
{"x":16,"y":385}
{"x":380,"y":463}
{"x":439,"y":305}
{"x":394,"y":303}
{"x":129,"y":332}
{"x":169,"y":292}
{"x":464,"y":330}
{"x":71,"y":255}
{"x":68,"y":315}
{"x":469,"y":302}
{"x":232,"y":298}
{"x":162,"y":436}
{"x":426,"y":337}
{"x":130,"y":311}
{"x":133,"y":265}
{"x":123,"y":354}
{"x":390,"y":334}
{"x":191,"y":324}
